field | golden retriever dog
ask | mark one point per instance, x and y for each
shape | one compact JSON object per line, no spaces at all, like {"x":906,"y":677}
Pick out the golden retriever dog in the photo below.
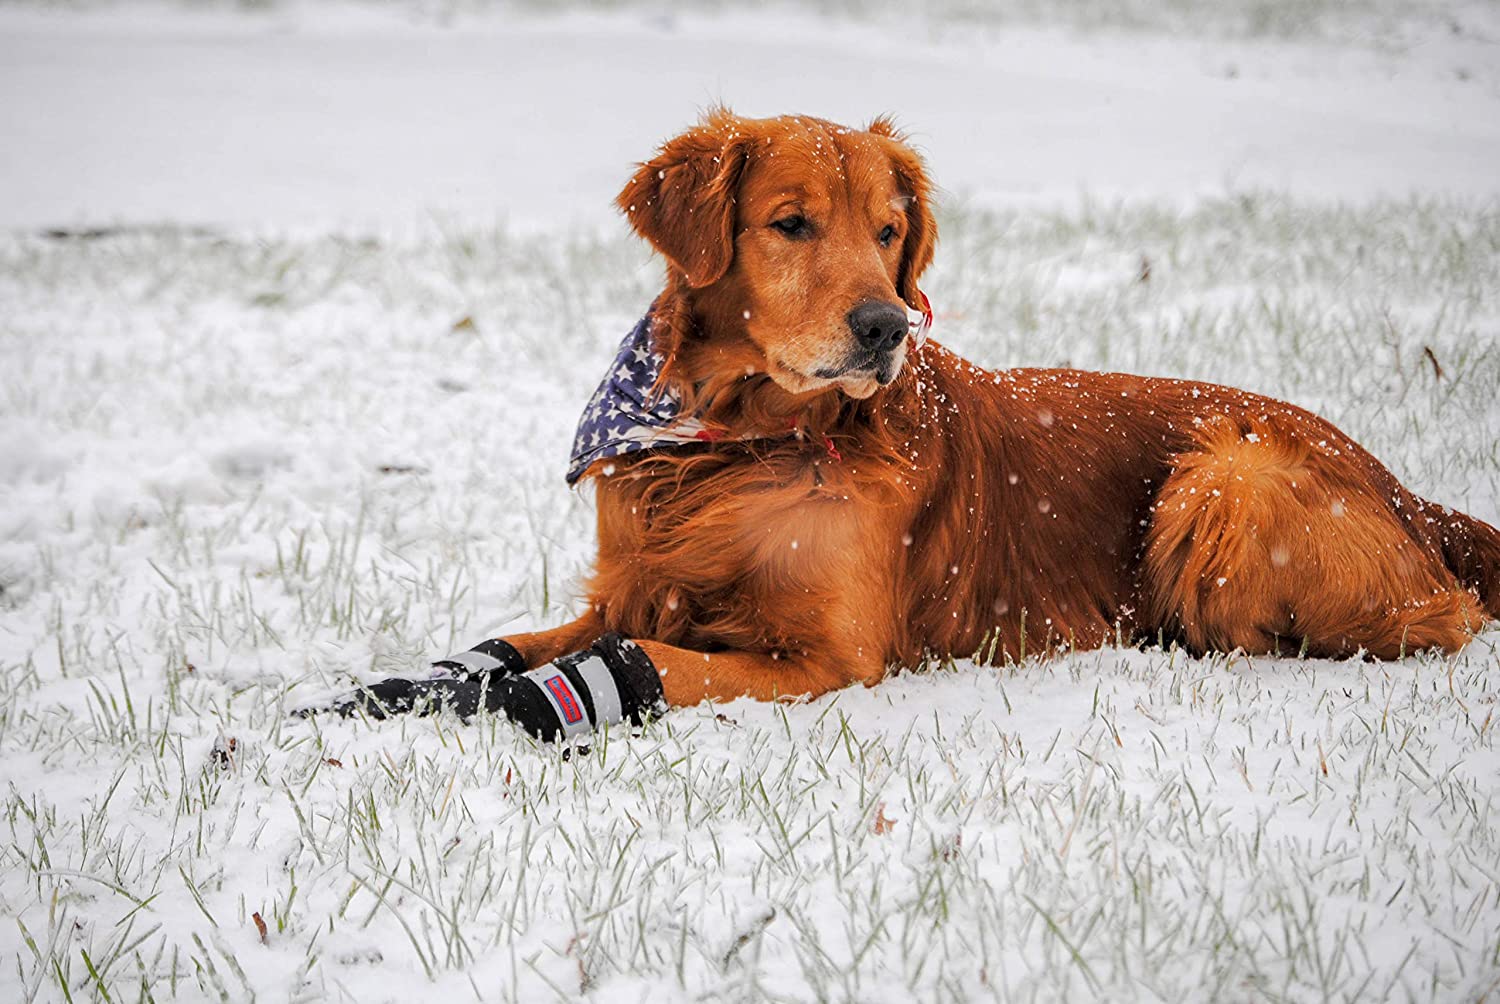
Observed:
{"x":831,"y":495}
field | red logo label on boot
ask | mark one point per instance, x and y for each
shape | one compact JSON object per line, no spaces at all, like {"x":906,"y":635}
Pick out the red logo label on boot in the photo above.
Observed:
{"x":561,"y":692}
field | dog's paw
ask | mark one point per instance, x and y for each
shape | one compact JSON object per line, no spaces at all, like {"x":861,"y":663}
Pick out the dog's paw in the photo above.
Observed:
{"x":458,"y":683}
{"x":611,"y":681}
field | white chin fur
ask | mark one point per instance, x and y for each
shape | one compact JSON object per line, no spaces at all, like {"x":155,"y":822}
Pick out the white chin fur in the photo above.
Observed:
{"x":856,"y":385}
{"x":859,"y":389}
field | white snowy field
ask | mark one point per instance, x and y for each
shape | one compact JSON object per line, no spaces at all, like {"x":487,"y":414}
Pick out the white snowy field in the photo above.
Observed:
{"x":272,"y":423}
{"x":338,"y":115}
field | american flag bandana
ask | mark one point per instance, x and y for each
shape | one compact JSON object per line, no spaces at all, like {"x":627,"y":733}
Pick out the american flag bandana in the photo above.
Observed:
{"x":628,"y":413}
{"x":624,"y":415}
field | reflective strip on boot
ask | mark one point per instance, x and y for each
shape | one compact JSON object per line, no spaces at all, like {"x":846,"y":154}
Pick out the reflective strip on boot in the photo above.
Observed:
{"x":474,"y":662}
{"x":603,"y":689}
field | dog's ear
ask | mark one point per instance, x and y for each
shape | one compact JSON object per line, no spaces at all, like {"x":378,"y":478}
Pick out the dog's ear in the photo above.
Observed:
{"x":921,"y":228}
{"x":683,"y":199}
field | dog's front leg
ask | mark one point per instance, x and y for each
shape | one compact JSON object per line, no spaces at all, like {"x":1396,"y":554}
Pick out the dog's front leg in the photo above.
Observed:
{"x":604,"y":681}
{"x":539,"y":647}
{"x":689,"y":677}
{"x":463,"y":681}
{"x":617,"y":679}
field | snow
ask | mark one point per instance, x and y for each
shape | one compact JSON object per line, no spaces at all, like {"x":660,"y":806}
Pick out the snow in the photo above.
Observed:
{"x":307,"y":421}
{"x":353,"y":116}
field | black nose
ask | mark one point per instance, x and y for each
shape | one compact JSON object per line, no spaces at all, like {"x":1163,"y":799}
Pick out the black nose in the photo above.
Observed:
{"x":878,"y":326}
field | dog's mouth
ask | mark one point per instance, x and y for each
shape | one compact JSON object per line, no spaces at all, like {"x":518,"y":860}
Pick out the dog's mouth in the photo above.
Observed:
{"x":858,"y":374}
{"x":863,"y":366}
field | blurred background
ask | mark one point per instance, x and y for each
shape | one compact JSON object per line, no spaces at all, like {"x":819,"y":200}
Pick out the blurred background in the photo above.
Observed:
{"x":291,"y":112}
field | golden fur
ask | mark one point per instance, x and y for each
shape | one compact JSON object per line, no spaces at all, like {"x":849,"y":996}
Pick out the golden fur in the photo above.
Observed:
{"x":953,"y":509}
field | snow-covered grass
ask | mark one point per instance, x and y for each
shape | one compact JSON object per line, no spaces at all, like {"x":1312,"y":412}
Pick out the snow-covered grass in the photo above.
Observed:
{"x":238,"y":469}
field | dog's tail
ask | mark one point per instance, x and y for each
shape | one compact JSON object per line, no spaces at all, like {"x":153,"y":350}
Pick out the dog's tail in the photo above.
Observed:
{"x":1471,"y":549}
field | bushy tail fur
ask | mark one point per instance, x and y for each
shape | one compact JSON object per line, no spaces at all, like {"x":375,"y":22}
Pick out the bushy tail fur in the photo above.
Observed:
{"x":1471,"y":549}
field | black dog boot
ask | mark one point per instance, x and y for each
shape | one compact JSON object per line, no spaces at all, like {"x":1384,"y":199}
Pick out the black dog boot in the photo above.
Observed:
{"x":458,"y":682}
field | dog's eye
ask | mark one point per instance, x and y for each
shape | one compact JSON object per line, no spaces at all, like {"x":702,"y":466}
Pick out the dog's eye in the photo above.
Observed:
{"x":886,"y":236}
{"x":792,"y":226}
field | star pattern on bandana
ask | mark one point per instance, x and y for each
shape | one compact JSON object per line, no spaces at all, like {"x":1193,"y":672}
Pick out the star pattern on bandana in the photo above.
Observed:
{"x":628,"y":413}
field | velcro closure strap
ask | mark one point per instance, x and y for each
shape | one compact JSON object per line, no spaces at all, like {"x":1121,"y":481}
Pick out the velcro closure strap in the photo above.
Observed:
{"x":565,"y":701}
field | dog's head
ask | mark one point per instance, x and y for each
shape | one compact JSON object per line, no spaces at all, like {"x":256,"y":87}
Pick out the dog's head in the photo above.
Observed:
{"x":799,"y":241}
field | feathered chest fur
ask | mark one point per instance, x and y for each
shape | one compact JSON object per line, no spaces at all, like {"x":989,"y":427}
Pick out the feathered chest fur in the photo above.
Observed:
{"x":753,"y":545}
